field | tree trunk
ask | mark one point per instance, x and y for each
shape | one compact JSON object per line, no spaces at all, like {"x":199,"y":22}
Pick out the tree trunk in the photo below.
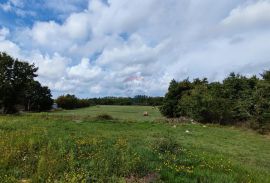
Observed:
{"x":28,"y":105}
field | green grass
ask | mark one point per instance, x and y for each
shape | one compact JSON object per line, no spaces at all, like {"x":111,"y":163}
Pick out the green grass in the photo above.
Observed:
{"x":133,"y":113}
{"x":74,"y":146}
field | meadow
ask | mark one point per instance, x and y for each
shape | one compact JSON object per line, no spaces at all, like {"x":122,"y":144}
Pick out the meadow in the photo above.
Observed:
{"x":85,"y":145}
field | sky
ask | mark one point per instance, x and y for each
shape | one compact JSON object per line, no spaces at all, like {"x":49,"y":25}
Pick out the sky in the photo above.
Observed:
{"x":96,"y":48}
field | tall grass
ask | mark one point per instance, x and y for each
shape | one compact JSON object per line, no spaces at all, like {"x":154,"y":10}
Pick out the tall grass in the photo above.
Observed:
{"x":36,"y":148}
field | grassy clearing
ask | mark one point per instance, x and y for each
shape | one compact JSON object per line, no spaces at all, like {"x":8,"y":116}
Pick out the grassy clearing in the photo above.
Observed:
{"x":75,"y":146}
{"x":132,"y":113}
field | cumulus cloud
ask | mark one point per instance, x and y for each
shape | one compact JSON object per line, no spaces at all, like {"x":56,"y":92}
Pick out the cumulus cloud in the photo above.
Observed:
{"x":124,"y":48}
{"x":55,"y":37}
{"x":249,"y":16}
{"x":84,"y":70}
{"x":247,"y":20}
{"x":50,"y":67}
{"x":7,"y":45}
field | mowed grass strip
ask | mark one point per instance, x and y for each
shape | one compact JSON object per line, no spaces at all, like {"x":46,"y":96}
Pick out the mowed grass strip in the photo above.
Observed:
{"x":57,"y":147}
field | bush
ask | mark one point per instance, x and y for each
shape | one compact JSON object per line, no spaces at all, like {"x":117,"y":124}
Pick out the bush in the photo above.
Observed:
{"x":104,"y":117}
{"x":71,"y":102}
{"x":167,"y":145}
{"x":265,"y":123}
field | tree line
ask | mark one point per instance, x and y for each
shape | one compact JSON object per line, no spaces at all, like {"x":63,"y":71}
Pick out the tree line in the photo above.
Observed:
{"x":236,"y":100}
{"x":19,"y":89}
{"x":72,"y":102}
{"x":136,"y":100}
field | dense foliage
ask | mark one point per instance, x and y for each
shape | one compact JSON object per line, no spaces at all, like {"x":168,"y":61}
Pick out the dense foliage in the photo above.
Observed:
{"x":137,"y":100}
{"x":71,"y":102}
{"x":238,"y":99}
{"x":18,"y":89}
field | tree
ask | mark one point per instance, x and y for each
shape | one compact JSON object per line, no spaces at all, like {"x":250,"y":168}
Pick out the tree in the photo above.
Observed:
{"x":14,"y":76}
{"x":18,"y":87}
{"x":239,"y":90}
{"x":261,"y":99}
{"x":175,"y":92}
{"x":37,"y":97}
{"x":236,"y":99}
{"x":266,"y":75}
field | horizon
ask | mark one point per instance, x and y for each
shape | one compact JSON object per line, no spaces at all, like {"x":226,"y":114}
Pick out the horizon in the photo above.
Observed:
{"x":99,"y":48}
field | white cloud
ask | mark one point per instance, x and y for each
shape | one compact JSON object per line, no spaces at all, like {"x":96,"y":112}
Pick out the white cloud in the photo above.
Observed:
{"x":4,"y":32}
{"x":6,"y":6}
{"x":57,"y":37}
{"x":64,"y":6}
{"x":7,"y":45}
{"x":17,"y":3}
{"x":95,"y":89}
{"x":16,"y":6}
{"x":136,"y":47}
{"x":249,"y":16}
{"x":84,"y":70}
{"x":50,"y":67}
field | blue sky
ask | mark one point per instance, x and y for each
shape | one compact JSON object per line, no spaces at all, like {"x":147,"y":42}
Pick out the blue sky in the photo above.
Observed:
{"x":95,"y":48}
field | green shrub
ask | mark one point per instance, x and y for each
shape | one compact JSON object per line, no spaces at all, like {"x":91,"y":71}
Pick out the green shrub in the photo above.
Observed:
{"x":71,"y":102}
{"x":238,"y":99}
{"x":167,"y":145}
{"x":104,"y":117}
{"x":263,"y":123}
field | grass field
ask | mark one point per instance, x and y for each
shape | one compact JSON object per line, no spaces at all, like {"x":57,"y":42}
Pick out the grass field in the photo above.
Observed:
{"x":77,"y":146}
{"x":132,"y":113}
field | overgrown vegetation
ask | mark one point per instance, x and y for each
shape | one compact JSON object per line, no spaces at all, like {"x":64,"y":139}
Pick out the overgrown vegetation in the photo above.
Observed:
{"x":238,"y":99}
{"x":71,"y":102}
{"x":18,"y":89}
{"x":56,"y":148}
